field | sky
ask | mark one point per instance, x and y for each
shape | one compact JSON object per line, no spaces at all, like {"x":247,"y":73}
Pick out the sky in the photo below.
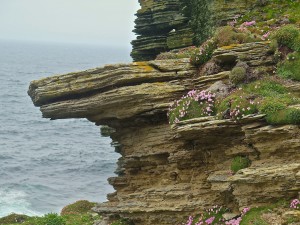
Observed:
{"x":101,"y":22}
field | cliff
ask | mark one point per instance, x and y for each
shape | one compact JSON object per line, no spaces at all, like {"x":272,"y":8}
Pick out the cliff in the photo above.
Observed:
{"x":163,"y":25}
{"x":165,"y":170}
{"x":170,"y":171}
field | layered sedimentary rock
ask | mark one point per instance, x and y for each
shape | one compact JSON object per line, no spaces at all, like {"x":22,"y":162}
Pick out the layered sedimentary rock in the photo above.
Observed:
{"x":162,"y":26}
{"x":168,"y":172}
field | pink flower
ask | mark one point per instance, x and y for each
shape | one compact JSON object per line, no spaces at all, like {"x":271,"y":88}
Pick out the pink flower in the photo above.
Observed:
{"x":266,"y":35}
{"x":245,"y":210}
{"x":251,"y":23}
{"x":210,"y":220}
{"x":190,"y":221}
{"x":294,"y":204}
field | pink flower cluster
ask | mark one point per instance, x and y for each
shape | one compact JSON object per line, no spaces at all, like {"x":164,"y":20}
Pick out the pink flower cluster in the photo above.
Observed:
{"x":209,"y":217}
{"x":266,"y":35}
{"x":179,"y":109}
{"x":210,"y":220}
{"x":294,"y":204}
{"x":238,"y":220}
{"x":234,"y":221}
{"x":214,"y":216}
{"x":248,"y":24}
{"x":243,"y":26}
{"x":238,"y":112}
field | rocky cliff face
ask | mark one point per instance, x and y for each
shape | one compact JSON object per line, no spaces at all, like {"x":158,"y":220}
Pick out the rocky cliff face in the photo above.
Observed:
{"x":161,"y":25}
{"x":167,"y":172}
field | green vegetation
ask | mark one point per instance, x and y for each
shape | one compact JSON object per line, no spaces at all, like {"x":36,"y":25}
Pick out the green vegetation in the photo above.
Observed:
{"x":272,"y":11}
{"x":211,"y":216}
{"x":240,"y":162}
{"x":78,"y":213}
{"x":178,"y":54}
{"x":288,"y":36}
{"x":237,"y":75}
{"x":290,"y":67}
{"x":204,"y":53}
{"x":13,"y":218}
{"x":194,"y":104}
{"x":78,"y":207}
{"x":229,"y":35}
{"x":200,"y":19}
{"x":265,"y":96}
{"x":254,"y":216}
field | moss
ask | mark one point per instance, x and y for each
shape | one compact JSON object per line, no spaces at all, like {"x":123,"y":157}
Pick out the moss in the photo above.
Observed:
{"x":237,"y":75}
{"x":144,"y":65}
{"x":229,"y":47}
{"x":79,"y":207}
{"x":239,"y":163}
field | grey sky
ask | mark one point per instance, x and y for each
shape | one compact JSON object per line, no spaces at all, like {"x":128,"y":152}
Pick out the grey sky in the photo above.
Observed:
{"x":103,"y":22}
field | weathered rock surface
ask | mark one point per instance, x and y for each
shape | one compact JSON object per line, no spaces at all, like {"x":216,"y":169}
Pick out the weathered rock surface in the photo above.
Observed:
{"x":161,"y":25}
{"x":169,"y":172}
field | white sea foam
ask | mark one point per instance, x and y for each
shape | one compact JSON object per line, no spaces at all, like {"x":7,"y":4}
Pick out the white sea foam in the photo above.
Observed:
{"x":15,"y":201}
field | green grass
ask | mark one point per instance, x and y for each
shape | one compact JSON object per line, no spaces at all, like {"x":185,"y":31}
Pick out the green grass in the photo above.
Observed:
{"x":274,"y":10}
{"x":78,"y":213}
{"x":239,"y":163}
{"x":79,"y":207}
{"x":55,"y":219}
{"x":268,"y":97}
{"x":13,"y":218}
{"x":288,"y":36}
{"x":254,"y":217}
{"x":290,"y":67}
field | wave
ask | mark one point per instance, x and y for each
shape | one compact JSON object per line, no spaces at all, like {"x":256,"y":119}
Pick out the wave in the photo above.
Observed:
{"x":15,"y":201}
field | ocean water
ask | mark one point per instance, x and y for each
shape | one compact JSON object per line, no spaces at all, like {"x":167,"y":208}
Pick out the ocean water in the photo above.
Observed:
{"x":45,"y":165}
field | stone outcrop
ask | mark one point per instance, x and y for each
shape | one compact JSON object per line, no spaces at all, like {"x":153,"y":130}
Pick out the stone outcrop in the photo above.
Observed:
{"x":162,"y":26}
{"x":169,"y":172}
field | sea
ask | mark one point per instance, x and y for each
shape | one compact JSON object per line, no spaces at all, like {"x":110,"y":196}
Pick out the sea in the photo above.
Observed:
{"x":46,"y":165}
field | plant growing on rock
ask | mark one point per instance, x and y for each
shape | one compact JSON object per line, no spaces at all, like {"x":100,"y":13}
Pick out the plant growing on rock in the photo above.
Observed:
{"x":229,"y":35}
{"x":194,"y":104}
{"x":214,"y":216}
{"x":209,"y":216}
{"x":237,"y":75}
{"x":290,"y":67}
{"x":204,"y":53}
{"x":237,"y":105}
{"x":295,"y":204}
{"x":240,"y":162}
{"x":265,"y":96}
{"x":288,"y":36}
